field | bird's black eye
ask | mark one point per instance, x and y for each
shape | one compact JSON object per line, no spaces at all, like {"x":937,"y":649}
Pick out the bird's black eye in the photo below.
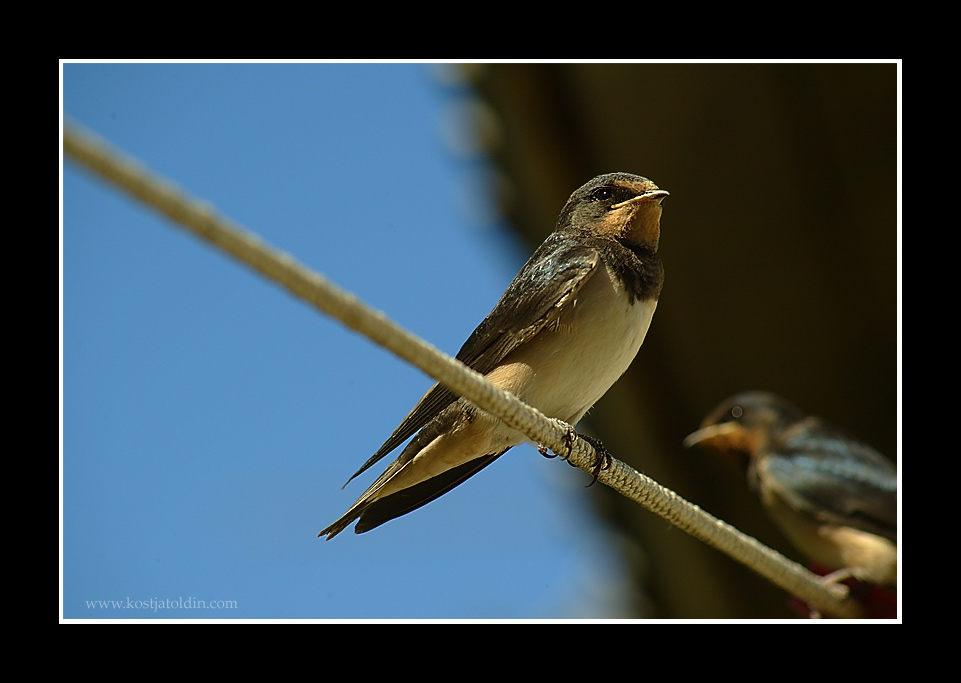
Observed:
{"x":600,"y":194}
{"x":736,"y":412}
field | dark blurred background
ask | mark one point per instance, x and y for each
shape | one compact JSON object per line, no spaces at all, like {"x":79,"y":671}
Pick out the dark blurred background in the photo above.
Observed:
{"x":781,"y":248}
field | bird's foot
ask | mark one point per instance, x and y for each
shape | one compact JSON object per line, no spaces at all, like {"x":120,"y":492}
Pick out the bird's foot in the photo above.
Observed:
{"x":569,"y":439}
{"x":603,"y":461}
{"x":837,"y":576}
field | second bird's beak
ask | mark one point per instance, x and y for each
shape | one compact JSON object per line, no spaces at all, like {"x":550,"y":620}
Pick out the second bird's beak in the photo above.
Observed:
{"x":710,"y":432}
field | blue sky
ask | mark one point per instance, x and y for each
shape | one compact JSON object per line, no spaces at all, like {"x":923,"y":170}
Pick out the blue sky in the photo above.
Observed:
{"x":209,"y":419}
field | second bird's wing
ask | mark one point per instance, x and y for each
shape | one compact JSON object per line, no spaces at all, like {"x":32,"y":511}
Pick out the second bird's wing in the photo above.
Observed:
{"x":837,"y":481}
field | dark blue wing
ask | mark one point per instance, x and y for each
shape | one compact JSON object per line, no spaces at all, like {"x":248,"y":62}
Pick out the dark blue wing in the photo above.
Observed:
{"x":836,"y":480}
{"x":554,"y":273}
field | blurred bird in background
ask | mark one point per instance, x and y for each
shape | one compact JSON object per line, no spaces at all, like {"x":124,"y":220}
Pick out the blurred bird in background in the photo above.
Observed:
{"x":833,"y":497}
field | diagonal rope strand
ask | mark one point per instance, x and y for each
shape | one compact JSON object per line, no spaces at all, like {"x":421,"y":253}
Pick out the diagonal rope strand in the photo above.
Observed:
{"x":201,"y":219}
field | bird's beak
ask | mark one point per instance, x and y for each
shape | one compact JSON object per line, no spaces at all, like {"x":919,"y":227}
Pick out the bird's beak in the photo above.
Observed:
{"x":651,"y":194}
{"x":722,"y":429}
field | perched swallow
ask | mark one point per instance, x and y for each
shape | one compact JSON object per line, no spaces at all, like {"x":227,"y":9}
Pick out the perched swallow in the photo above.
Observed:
{"x":564,"y":331}
{"x":833,"y":497}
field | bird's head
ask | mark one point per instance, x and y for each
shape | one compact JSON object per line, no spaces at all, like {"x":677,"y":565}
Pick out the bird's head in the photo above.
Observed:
{"x":621,"y":206}
{"x":742,"y":425}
